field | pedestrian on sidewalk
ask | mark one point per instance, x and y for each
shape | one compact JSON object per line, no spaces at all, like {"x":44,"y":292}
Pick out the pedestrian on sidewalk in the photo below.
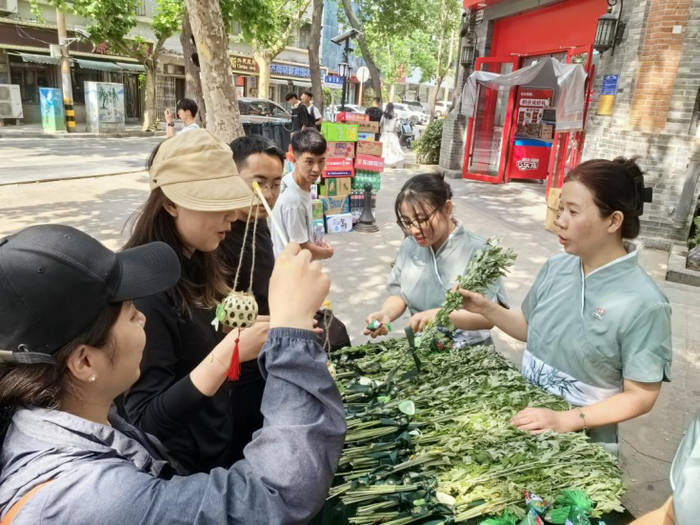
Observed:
{"x":293,"y":208}
{"x":180,"y":397}
{"x":316,"y":117}
{"x":597,"y":327}
{"x":72,"y":340}
{"x":300,"y":113}
{"x":388,"y":126}
{"x":434,"y":252}
{"x":186,"y":110}
{"x":375,"y":112}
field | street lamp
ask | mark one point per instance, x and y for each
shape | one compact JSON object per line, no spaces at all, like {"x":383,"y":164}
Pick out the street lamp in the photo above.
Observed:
{"x":610,"y":28}
{"x":344,"y":67}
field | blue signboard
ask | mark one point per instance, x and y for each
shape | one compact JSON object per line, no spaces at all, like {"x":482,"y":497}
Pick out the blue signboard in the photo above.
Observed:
{"x":334,"y":79}
{"x":290,"y":71}
{"x":609,"y":85}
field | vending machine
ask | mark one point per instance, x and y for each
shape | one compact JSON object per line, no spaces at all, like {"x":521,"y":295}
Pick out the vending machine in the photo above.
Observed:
{"x":532,"y":135}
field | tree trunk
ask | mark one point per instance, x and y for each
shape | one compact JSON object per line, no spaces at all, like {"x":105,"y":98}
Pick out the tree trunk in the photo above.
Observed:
{"x":392,"y":92}
{"x":149,"y":113}
{"x":314,"y":52}
{"x":193,"y":82}
{"x":223,"y":117}
{"x":438,"y":79}
{"x":373,"y":69}
{"x":466,"y":33}
{"x":263,"y":59}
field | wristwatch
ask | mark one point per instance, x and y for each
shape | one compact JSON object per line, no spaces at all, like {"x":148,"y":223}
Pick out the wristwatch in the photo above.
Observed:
{"x":171,"y":124}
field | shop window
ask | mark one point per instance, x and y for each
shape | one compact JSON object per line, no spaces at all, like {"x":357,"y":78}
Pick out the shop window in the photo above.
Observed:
{"x":30,"y":78}
{"x":80,"y":76}
{"x":179,"y":88}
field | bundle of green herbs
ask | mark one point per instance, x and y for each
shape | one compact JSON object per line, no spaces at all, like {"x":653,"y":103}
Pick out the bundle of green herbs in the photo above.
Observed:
{"x":437,"y":445}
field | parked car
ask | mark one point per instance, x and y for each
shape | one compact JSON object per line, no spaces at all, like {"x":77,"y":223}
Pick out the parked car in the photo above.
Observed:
{"x":264,"y":117}
{"x":407,"y":112}
{"x":418,"y":107}
{"x":442,"y":108}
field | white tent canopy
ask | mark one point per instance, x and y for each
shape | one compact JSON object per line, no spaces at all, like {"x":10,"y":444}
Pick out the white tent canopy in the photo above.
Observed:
{"x":566,"y":80}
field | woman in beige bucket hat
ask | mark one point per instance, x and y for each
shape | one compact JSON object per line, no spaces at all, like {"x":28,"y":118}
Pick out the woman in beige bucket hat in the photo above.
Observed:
{"x":182,"y":396}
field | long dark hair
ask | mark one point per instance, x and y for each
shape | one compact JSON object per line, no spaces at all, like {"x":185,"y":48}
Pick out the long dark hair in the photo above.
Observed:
{"x":427,"y":193}
{"x":389,"y":111}
{"x":615,"y":185}
{"x":154,"y":223}
{"x":44,"y":385}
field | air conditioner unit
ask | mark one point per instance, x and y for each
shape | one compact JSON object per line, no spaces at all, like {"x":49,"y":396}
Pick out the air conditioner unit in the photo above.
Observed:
{"x":10,"y":101}
{"x":8,"y":6}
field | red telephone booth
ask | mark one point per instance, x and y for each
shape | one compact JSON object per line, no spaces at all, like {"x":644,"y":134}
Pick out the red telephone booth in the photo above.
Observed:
{"x":512,"y":131}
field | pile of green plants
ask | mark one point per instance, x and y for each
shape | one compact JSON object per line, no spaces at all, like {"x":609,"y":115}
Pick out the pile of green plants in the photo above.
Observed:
{"x":429,"y":435}
{"x":427,"y":147}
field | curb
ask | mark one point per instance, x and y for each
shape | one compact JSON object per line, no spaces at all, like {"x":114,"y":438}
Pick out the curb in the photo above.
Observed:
{"x":677,"y":271}
{"x":41,"y":135}
{"x":76,"y":177}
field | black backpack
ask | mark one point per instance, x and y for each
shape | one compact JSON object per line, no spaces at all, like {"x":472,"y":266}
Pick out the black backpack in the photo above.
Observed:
{"x":301,"y":117}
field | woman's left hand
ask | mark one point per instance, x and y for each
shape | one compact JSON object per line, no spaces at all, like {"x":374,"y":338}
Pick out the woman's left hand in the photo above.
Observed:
{"x":418,"y":320}
{"x":539,"y":420}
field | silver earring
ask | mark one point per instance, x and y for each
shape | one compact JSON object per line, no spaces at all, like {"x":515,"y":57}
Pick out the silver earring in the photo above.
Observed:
{"x":92,"y":378}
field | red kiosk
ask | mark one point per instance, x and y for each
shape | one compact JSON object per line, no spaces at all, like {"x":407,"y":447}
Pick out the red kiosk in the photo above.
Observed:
{"x":512,"y":131}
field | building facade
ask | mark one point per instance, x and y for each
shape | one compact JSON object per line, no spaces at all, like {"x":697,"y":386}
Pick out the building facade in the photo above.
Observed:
{"x":641,"y":95}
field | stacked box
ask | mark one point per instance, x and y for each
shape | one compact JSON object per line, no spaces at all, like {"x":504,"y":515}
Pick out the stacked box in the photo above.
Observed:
{"x":338,"y":132}
{"x":339,"y":167}
{"x":336,"y":205}
{"x":371,"y":126}
{"x":339,"y":223}
{"x":370,"y":147}
{"x":317,"y":209}
{"x":337,"y":186}
{"x":342,"y":150}
{"x":346,"y":116}
{"x":363,"y":177}
{"x":369,"y":163}
{"x":366,"y":137}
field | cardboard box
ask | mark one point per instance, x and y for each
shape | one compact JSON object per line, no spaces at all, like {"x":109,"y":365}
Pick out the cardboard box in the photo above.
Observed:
{"x":552,"y":209}
{"x":317,"y":209}
{"x":333,"y":174}
{"x":339,"y":164}
{"x":337,"y":187}
{"x":346,"y":116}
{"x":366,"y":136}
{"x":336,"y":205}
{"x":341,"y":149}
{"x":367,"y":177}
{"x":370,"y":126}
{"x":337,"y":132}
{"x":373,"y":148}
{"x":369,"y":163}
{"x":339,"y":223}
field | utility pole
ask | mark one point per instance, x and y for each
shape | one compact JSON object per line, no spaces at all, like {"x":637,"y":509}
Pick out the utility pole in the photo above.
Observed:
{"x":65,"y":71}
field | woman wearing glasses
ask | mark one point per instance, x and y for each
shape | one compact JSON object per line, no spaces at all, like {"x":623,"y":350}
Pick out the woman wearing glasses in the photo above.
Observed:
{"x":435,"y":251}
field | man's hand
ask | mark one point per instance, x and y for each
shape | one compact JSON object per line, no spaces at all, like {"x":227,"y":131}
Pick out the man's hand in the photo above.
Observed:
{"x":168,"y":115}
{"x":382,"y":330}
{"x":539,"y":420}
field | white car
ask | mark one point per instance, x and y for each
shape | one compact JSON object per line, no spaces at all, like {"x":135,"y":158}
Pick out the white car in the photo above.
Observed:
{"x":442,"y":107}
{"x":419,"y":111}
{"x":405,"y":111}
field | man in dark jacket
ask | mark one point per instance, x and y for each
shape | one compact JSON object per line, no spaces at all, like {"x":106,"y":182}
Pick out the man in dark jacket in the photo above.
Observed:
{"x":375,"y":112}
{"x":300,"y":113}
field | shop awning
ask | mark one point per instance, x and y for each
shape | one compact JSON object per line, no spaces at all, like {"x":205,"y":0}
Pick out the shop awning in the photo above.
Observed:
{"x":136,"y":68}
{"x":98,"y":65}
{"x":37,"y":59}
{"x":566,"y":80}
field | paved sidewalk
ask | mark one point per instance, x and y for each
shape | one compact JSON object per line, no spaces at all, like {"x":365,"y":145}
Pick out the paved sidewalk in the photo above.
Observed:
{"x":514,"y":212}
{"x":36,"y":131}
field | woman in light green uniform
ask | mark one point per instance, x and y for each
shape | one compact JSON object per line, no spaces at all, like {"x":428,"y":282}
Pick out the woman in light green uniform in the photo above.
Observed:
{"x":433,"y":254}
{"x":598,"y":329}
{"x":683,"y":507}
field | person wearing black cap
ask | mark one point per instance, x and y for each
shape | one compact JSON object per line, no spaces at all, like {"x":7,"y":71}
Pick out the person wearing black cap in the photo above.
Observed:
{"x":597,"y":327}
{"x":71,"y":340}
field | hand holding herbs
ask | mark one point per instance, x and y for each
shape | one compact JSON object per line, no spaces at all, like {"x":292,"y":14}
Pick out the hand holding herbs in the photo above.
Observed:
{"x":481,"y":272}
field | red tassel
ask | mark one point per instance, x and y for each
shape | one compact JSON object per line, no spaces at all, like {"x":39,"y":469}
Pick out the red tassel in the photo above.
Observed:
{"x":234,"y":369}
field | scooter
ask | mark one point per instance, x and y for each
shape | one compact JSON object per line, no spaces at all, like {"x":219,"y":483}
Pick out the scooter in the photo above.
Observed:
{"x":406,"y":133}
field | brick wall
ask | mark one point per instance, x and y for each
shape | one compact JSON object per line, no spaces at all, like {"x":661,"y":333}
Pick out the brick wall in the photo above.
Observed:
{"x":659,"y":81}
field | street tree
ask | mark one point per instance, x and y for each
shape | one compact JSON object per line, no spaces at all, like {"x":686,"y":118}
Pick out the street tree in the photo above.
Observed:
{"x":111,"y":21}
{"x":267,"y":26}
{"x":209,"y":31}
{"x":315,"y":51}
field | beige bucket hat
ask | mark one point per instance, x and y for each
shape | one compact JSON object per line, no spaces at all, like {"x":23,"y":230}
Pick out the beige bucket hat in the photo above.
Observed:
{"x":195,"y":170}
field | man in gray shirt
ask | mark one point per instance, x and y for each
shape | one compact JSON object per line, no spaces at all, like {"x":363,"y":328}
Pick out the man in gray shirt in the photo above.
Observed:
{"x":293,"y":207}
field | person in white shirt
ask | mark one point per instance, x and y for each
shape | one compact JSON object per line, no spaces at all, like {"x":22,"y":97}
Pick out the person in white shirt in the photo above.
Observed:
{"x":307,"y":99}
{"x":186,"y":111}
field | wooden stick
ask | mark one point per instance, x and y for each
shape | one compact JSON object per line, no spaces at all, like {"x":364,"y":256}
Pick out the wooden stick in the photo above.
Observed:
{"x":277,"y":227}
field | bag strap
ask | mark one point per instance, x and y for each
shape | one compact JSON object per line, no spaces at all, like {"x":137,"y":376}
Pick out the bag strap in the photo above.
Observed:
{"x":14,"y":510}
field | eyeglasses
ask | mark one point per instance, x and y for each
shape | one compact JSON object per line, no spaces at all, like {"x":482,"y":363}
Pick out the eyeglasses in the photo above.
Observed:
{"x":418,"y":223}
{"x":270,"y":186}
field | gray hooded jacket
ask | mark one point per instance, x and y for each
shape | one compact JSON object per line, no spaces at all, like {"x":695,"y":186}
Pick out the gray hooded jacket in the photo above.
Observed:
{"x":114,"y":475}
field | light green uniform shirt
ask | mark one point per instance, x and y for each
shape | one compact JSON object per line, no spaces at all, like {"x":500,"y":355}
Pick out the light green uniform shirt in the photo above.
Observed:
{"x":685,"y":477}
{"x":587,"y":334}
{"x":421,"y":276}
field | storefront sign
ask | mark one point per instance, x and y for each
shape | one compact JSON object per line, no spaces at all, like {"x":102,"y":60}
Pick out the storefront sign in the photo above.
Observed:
{"x":607,"y":94}
{"x":334,"y":79}
{"x":241,"y":64}
{"x":288,"y":70}
{"x":530,"y":107}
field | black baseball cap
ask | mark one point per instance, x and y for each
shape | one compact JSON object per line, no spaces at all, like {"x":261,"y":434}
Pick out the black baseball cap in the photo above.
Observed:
{"x":56,"y":280}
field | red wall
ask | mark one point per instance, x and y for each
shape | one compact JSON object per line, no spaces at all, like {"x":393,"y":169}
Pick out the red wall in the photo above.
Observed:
{"x":549,"y":29}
